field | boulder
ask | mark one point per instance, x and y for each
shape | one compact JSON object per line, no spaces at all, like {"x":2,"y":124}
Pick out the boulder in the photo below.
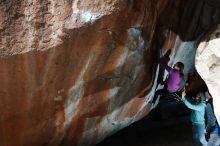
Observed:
{"x":75,"y":72}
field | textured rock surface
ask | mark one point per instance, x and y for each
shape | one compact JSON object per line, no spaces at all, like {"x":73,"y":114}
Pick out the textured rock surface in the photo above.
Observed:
{"x":208,"y":65}
{"x":73,"y":72}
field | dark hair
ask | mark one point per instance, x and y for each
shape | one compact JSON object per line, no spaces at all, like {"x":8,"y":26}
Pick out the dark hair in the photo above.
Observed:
{"x":203,"y":87}
{"x":181,"y":67}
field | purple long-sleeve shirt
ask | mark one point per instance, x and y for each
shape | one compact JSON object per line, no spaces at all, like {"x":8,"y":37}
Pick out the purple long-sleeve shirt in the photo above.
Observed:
{"x":174,"y":77}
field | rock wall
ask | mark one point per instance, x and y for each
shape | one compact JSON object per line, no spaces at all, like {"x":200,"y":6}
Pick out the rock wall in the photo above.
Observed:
{"x":71,"y":71}
{"x":74,"y":72}
{"x":208,"y":65}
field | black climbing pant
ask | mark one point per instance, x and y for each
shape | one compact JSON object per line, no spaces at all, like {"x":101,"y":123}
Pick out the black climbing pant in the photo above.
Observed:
{"x":161,"y":92}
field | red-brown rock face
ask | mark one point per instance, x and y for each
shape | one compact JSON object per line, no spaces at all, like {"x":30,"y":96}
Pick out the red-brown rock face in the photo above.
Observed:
{"x":73,"y":72}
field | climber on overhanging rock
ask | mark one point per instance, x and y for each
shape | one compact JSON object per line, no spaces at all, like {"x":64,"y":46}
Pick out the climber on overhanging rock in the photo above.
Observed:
{"x":197,"y":105}
{"x":175,"y":78}
{"x":212,"y":126}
